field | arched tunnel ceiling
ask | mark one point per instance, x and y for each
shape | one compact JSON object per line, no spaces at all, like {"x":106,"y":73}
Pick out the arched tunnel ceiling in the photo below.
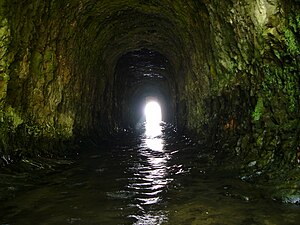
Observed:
{"x":112,"y":28}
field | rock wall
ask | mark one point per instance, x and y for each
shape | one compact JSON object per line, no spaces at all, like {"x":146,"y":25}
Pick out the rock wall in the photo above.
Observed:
{"x":253,"y":100}
{"x":43,"y":90}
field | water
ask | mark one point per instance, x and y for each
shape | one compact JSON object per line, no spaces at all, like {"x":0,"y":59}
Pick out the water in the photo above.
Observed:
{"x":150,"y":178}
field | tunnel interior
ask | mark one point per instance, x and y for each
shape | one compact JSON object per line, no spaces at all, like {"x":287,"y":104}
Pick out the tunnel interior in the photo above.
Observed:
{"x":121,"y":55}
{"x":225,"y":72}
{"x":141,"y":76}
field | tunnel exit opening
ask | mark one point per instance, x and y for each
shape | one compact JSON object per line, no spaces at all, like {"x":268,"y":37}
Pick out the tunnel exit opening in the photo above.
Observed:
{"x":153,"y":117}
{"x":153,"y":112}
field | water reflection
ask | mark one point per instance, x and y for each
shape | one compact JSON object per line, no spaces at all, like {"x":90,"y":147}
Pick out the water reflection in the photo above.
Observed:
{"x":151,"y":219}
{"x":155,"y":144}
{"x":152,"y":129}
{"x":130,"y":183}
{"x":151,"y":176}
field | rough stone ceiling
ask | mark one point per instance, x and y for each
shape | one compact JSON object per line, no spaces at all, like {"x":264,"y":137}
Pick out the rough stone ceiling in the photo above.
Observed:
{"x":116,"y":27}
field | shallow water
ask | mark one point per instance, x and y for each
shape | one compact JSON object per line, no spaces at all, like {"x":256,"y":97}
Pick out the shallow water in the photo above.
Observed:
{"x":142,"y":179}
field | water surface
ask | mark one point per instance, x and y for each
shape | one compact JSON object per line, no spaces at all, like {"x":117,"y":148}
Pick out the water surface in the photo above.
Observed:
{"x":150,"y":178}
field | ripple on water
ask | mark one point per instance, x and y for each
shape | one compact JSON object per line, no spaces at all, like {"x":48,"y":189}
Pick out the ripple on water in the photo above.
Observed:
{"x":121,"y":194}
{"x":132,"y":183}
{"x":150,"y":218}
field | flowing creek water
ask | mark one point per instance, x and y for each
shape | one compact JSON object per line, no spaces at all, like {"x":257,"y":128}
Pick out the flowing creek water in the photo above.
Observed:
{"x":142,"y":179}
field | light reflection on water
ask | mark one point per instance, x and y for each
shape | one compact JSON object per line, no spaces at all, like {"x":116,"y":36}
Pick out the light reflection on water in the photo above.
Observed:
{"x":148,"y":180}
{"x":153,"y":129}
{"x":150,"y":219}
{"x":156,"y":144}
{"x":153,"y":172}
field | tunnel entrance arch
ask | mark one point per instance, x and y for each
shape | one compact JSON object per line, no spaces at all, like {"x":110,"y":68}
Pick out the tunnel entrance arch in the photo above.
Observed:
{"x":141,"y":97}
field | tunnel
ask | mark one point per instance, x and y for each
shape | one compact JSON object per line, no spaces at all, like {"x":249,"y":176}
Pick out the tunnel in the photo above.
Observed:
{"x":142,"y":76}
{"x":225,"y":73}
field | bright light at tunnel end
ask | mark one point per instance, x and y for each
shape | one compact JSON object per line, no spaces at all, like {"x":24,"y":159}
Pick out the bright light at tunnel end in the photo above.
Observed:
{"x":153,"y":119}
{"x":153,"y":112}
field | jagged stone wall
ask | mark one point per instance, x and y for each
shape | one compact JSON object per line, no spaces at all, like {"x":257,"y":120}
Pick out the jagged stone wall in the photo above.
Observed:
{"x":253,"y":102}
{"x":42,"y":89}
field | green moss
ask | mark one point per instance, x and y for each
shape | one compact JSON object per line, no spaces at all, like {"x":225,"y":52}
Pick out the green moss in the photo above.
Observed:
{"x":13,"y":116}
{"x":291,"y":41}
{"x":259,"y":109}
{"x":48,"y":56}
{"x":36,"y":63}
{"x":49,"y":63}
{"x":4,"y":34}
{"x":291,"y":31}
{"x":4,"y":62}
{"x":4,"y":78}
{"x":280,"y":84}
{"x":291,"y":90}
